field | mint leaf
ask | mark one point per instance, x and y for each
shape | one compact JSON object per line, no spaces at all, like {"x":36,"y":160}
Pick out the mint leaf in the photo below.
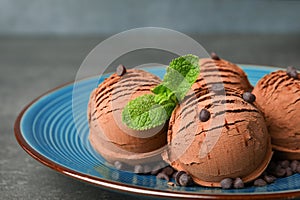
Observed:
{"x":181,"y":74}
{"x":152,"y":110}
{"x":164,"y":95}
{"x":143,"y":113}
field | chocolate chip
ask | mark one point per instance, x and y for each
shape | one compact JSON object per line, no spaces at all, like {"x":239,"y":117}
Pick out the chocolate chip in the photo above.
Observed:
{"x":284,"y":164}
{"x":294,"y":164}
{"x":238,"y":183}
{"x":288,"y":171}
{"x":279,"y":171}
{"x":118,"y":165}
{"x":177,"y":176}
{"x":162,"y":176}
{"x":259,"y":182}
{"x":204,"y":115}
{"x":226,"y":183}
{"x":174,"y":174}
{"x":269,"y":178}
{"x":249,"y":97}
{"x":138,"y":169}
{"x":121,"y":70}
{"x":292,"y":72}
{"x":168,"y":170}
{"x":185,"y":180}
{"x":214,"y":56}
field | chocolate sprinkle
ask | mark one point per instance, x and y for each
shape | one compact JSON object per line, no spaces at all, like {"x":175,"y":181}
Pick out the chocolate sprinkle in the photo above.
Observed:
{"x":168,"y":170}
{"x":214,"y":56}
{"x":238,"y":183}
{"x":294,"y":164}
{"x":185,"y":180}
{"x":292,"y":72}
{"x":226,"y":183}
{"x":204,"y":115}
{"x":259,"y":182}
{"x":162,"y":176}
{"x":177,"y":176}
{"x":269,"y":178}
{"x":249,"y":97}
{"x":121,"y":70}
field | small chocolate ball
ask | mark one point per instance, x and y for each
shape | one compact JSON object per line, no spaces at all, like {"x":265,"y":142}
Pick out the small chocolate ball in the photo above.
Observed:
{"x":238,"y":183}
{"x":292,"y":72}
{"x":121,"y":70}
{"x":168,"y":170}
{"x":214,"y":56}
{"x":185,"y":180}
{"x":226,"y":183}
{"x":284,"y":164}
{"x":259,"y":182}
{"x":204,"y":115}
{"x":269,"y":178}
{"x":249,"y":97}
{"x":177,"y":176}
{"x":162,"y":176}
{"x":294,"y":164}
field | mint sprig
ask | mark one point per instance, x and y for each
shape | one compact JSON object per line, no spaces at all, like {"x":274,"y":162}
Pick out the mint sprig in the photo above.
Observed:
{"x":152,"y":110}
{"x":144,"y":112}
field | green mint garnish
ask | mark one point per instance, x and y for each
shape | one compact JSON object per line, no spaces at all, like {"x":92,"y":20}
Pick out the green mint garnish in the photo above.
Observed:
{"x":143,"y":113}
{"x":181,"y":74}
{"x":152,"y":110}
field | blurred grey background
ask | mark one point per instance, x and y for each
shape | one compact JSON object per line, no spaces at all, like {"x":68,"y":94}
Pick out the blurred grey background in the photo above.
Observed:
{"x":81,"y":17}
{"x":43,"y":43}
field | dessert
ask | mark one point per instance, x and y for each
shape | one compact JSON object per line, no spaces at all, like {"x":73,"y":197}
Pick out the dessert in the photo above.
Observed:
{"x":108,"y":135}
{"x":278,"y":97}
{"x":205,"y":123}
{"x":229,"y":140}
{"x":216,"y":71}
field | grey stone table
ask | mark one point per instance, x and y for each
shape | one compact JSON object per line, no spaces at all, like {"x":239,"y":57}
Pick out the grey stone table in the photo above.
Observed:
{"x":31,"y":66}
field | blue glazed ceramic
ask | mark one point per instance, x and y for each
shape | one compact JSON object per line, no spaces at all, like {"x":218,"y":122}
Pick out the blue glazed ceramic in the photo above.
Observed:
{"x":46,"y":130}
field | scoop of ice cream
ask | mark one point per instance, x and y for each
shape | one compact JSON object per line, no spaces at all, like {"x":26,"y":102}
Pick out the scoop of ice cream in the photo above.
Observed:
{"x":108,"y":135}
{"x":213,"y":136}
{"x":278,"y":97}
{"x":221,"y":72}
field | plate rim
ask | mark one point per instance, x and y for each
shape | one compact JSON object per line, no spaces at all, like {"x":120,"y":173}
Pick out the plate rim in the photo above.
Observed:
{"x":122,"y":187}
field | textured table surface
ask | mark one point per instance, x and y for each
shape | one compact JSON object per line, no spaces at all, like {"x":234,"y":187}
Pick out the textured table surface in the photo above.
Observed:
{"x":31,"y":66}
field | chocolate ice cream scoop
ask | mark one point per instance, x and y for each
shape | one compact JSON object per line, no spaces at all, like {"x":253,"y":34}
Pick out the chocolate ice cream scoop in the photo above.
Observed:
{"x":215,"y":72}
{"x":213,"y":136}
{"x":108,"y":135}
{"x":278,"y":97}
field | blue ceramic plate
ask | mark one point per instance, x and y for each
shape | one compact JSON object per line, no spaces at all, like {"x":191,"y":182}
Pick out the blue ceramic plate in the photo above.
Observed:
{"x":46,"y":130}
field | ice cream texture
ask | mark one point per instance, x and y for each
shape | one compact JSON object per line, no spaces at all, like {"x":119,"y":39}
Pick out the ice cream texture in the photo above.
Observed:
{"x":108,"y":135}
{"x":278,"y":97}
{"x":232,"y":143}
{"x":229,"y":75}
